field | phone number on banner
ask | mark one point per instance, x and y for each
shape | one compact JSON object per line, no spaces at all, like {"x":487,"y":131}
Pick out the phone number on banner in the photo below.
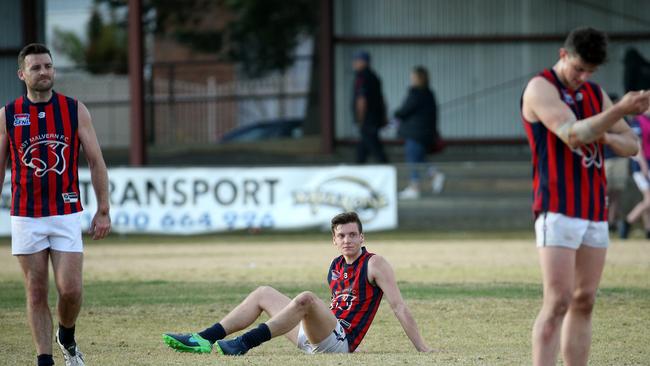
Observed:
{"x":182,"y":222}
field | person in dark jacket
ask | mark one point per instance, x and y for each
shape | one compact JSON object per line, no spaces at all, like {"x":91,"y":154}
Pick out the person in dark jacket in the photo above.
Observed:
{"x":418,"y":128}
{"x":368,"y":108}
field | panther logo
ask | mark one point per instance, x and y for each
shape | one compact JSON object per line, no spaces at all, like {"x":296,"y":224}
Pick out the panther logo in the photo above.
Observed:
{"x":591,"y":155}
{"x":342,"y":302}
{"x":41,"y":164}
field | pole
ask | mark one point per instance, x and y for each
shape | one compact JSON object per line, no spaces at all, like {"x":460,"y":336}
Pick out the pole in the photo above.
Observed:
{"x":137,"y":153}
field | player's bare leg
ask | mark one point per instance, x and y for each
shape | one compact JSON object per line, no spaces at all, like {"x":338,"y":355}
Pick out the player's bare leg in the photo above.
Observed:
{"x":640,"y":210}
{"x":576,"y":330}
{"x":317,"y":319}
{"x":646,"y":222}
{"x":558,"y":269}
{"x":68,"y":278}
{"x":35,"y":271}
{"x":67,"y":268}
{"x":264,"y":298}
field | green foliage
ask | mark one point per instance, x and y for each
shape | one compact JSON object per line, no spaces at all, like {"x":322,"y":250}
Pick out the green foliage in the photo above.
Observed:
{"x":261,"y":35}
{"x":264,"y":34}
{"x":104,"y":51}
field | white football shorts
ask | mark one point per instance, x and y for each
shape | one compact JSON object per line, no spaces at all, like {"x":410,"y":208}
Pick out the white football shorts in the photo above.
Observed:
{"x":334,"y":343}
{"x":30,"y":235}
{"x":557,"y":230}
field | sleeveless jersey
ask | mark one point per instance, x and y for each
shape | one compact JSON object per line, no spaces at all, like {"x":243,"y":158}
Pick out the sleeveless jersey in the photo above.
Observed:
{"x":354,"y":300}
{"x":44,"y":148}
{"x":568,"y":181}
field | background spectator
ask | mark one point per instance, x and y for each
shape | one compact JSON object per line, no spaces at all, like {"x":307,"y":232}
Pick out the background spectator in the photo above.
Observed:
{"x":369,"y":109}
{"x":418,"y":128}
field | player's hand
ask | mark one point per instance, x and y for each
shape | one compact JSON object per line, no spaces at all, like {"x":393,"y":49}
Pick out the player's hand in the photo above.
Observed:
{"x":100,"y":226}
{"x":426,"y":349}
{"x":635,"y":102}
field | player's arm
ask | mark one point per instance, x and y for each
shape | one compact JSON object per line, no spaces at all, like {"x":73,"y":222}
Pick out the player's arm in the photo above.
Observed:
{"x":620,"y":137}
{"x":541,"y":103}
{"x":381,"y":274}
{"x":101,"y":223}
{"x":4,"y":146}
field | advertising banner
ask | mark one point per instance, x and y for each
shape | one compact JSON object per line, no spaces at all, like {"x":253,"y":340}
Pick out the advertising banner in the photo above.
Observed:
{"x":202,"y":200}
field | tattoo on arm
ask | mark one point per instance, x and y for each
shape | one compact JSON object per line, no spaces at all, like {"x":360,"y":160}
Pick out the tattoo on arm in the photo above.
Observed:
{"x":575,"y":133}
{"x":564,"y":131}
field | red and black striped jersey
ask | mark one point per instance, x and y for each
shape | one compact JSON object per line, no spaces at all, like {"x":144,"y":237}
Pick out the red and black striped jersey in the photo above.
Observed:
{"x":568,"y":181}
{"x":44,"y":148}
{"x":354,"y":299}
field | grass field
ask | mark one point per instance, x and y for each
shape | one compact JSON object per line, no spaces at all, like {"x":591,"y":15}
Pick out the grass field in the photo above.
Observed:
{"x":475,"y":299}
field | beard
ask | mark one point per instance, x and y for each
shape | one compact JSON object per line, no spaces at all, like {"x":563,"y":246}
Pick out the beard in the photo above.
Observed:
{"x":42,"y":85}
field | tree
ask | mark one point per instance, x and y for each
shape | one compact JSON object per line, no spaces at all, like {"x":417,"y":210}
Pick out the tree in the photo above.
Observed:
{"x":261,"y":35}
{"x":105,"y":48}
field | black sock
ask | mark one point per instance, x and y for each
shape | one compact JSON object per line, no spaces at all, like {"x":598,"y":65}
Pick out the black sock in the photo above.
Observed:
{"x":214,"y":333}
{"x":257,"y":336}
{"x":66,"y":335}
{"x":45,"y":360}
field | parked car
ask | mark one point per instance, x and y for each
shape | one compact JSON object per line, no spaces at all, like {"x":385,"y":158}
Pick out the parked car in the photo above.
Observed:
{"x":265,"y":130}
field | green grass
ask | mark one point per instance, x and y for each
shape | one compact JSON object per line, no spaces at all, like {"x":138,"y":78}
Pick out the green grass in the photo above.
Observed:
{"x":478,"y":313}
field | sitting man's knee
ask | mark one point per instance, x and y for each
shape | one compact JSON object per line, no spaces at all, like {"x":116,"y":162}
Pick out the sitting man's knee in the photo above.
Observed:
{"x":305,"y":299}
{"x":264,"y":290}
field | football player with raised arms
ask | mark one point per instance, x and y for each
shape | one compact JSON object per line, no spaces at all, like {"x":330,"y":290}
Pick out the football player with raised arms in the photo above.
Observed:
{"x":357,"y":279}
{"x":568,"y":119}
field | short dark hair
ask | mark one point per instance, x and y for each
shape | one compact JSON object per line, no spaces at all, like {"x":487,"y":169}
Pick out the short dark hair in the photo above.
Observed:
{"x":32,"y":49}
{"x":588,"y":43}
{"x":346,"y":218}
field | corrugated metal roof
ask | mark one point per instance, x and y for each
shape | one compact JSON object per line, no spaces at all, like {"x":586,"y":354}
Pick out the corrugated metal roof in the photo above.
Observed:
{"x":485,"y":17}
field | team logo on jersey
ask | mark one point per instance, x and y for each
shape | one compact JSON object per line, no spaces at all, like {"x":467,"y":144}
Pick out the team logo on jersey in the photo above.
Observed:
{"x":42,"y":164}
{"x":591,"y":155}
{"x":343,"y":302}
{"x":21,"y":119}
{"x":41,"y":114}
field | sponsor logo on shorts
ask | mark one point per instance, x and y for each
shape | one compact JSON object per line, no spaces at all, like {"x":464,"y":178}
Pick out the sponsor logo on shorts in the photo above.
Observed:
{"x":21,"y":119}
{"x":71,"y":197}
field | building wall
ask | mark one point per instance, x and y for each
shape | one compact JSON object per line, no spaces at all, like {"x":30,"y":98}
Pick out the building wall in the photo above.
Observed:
{"x":477,"y":85}
{"x":12,"y":39}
